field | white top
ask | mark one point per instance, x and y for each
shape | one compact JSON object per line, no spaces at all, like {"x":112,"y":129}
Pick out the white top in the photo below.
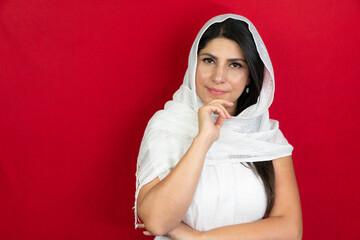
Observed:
{"x":227,"y":194}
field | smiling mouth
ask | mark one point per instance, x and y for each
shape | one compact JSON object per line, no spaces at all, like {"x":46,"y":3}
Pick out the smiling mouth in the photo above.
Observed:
{"x":216,"y":92}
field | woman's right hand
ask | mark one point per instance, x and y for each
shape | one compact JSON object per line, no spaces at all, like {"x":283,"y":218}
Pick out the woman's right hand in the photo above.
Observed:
{"x":207,"y":127}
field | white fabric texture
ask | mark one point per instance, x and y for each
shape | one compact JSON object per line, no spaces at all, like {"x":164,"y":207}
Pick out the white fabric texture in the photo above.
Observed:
{"x":248,"y":137}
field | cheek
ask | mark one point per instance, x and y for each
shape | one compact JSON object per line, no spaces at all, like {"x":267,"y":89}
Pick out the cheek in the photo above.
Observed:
{"x":204,"y":71}
{"x":239,"y":83}
{"x":200,"y":77}
{"x":198,"y":82}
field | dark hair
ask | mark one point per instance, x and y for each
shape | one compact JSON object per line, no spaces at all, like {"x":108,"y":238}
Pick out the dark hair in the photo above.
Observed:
{"x":238,"y":31}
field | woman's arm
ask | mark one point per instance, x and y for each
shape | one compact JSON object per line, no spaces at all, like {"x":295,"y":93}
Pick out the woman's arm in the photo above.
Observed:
{"x":162,"y":204}
{"x":284,"y":221}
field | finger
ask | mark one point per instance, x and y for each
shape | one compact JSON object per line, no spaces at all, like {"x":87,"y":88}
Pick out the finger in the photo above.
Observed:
{"x":227,"y":114}
{"x":222,"y":101}
{"x":218,"y":110}
{"x":141,"y":225}
{"x":147,"y":233}
{"x":229,"y":103}
{"x":219,"y":122}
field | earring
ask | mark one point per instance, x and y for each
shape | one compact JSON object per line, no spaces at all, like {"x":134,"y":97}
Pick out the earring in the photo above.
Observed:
{"x":247,"y":89}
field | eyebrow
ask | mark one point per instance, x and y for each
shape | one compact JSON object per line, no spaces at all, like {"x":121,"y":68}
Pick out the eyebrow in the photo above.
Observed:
{"x":230,"y":59}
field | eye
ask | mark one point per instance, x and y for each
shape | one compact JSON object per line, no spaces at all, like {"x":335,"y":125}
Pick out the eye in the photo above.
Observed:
{"x":236,"y":65}
{"x":208,"y":60}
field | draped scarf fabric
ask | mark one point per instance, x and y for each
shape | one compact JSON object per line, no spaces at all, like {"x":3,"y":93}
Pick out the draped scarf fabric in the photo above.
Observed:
{"x":248,"y":137}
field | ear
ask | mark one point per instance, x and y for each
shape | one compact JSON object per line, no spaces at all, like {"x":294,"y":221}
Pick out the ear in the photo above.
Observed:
{"x":248,"y":81}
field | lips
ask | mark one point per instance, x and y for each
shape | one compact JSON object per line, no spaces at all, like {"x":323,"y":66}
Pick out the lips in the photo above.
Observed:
{"x":216,"y":92}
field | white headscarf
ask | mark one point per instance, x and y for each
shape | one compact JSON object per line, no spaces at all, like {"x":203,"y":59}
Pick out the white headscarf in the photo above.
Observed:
{"x":248,"y":137}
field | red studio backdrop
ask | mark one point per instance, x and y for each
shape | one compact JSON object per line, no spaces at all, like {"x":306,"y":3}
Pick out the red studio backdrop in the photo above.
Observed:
{"x":80,"y":79}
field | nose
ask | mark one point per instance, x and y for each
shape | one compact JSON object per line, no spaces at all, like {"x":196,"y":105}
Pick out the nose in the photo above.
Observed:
{"x":218,"y":74}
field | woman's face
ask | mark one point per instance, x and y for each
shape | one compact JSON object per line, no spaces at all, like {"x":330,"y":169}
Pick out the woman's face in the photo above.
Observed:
{"x":222,"y":72}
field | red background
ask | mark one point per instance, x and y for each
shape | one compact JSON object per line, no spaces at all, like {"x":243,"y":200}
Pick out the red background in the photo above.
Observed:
{"x":80,"y":79}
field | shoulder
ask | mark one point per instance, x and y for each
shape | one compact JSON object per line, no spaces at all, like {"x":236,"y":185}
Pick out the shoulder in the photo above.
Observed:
{"x":283,"y":161}
{"x":284,"y":168}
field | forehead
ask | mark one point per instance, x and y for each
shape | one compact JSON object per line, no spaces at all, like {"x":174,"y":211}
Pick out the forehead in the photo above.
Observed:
{"x":223,"y":46}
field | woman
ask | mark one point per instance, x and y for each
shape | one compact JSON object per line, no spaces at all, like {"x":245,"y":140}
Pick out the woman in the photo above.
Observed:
{"x":212,"y":165}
